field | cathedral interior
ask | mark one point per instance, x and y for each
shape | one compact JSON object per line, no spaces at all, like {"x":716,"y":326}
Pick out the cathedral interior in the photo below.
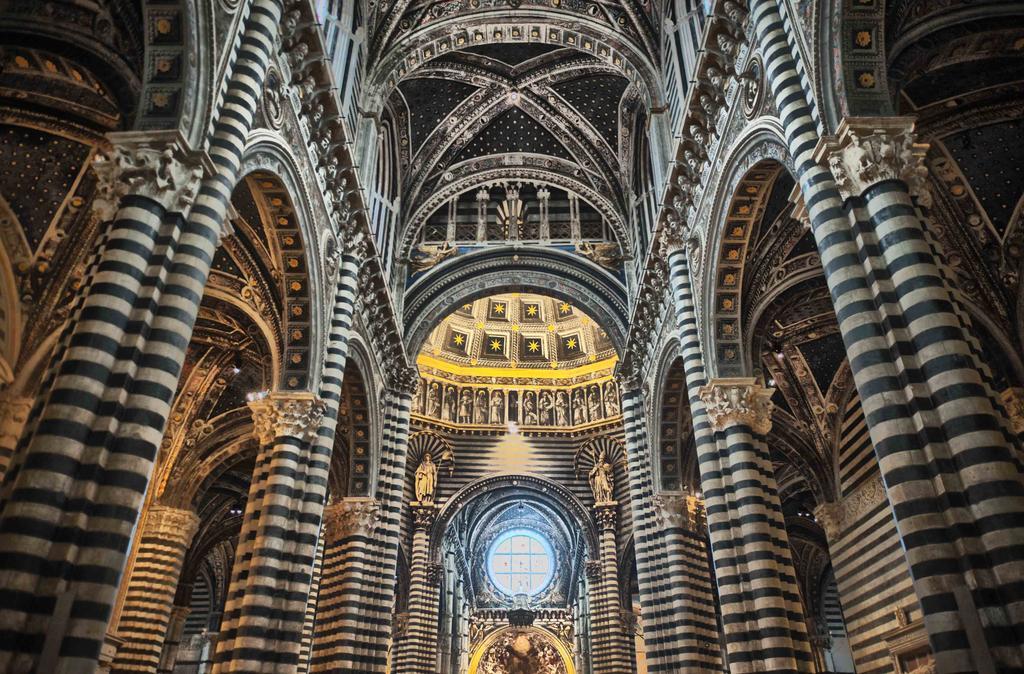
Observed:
{"x":511,"y":336}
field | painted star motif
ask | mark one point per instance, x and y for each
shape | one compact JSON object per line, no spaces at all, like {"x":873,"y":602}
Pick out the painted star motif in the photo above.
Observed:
{"x":533,"y":345}
{"x":570,"y":343}
{"x":499,"y":308}
{"x":495,"y":345}
{"x":531,"y":310}
{"x":459,"y":340}
{"x":563,"y":308}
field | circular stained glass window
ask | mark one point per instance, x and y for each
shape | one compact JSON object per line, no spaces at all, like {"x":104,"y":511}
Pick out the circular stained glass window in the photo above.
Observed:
{"x":520,"y":561}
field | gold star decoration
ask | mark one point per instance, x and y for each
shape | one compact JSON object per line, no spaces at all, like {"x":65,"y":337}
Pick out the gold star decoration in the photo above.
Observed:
{"x":533,"y":345}
{"x":564,"y":308}
{"x":459,"y":339}
{"x":531,"y":310}
{"x":570,"y":343}
{"x":467,"y":307}
{"x":499,"y":308}
{"x":495,"y":345}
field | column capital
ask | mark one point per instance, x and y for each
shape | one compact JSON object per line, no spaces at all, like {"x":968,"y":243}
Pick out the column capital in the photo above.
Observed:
{"x":679,"y":511}
{"x":836,"y":516}
{"x":607,"y":514}
{"x":176,"y":525}
{"x":355,"y":516}
{"x":868,"y":150}
{"x":423,"y":514}
{"x":738,"y":400}
{"x":159,"y":165}
{"x":592,"y":567}
{"x":14,"y":412}
{"x":295,"y":414}
{"x":1013,"y":401}
{"x":435,"y":573}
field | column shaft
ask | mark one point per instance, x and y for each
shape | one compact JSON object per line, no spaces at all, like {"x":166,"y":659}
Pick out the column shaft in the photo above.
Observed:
{"x":609,"y":643}
{"x":416,"y":651}
{"x":175,"y":631}
{"x":946,"y":459}
{"x":146,"y":618}
{"x":680,"y":635}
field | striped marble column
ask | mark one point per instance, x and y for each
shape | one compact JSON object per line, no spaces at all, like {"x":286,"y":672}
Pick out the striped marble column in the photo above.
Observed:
{"x":312,"y":599}
{"x":679,"y":634}
{"x":266,"y":603}
{"x":946,"y":456}
{"x":345,"y":584}
{"x":175,"y":632}
{"x":762,"y":612}
{"x":85,"y":457}
{"x":416,"y":650}
{"x":146,"y":617}
{"x":612,"y":652}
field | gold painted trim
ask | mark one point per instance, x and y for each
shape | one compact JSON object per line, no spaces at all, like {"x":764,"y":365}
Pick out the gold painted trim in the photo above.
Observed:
{"x":474,"y":663}
{"x":515,"y":372}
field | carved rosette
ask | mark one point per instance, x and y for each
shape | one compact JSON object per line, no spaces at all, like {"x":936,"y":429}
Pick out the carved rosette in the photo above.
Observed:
{"x":738,"y":400}
{"x":294,"y":415}
{"x":423,"y":514}
{"x":159,"y":166}
{"x":607,"y":515}
{"x":351,"y":517}
{"x":838,"y":516}
{"x":175,"y":526}
{"x":868,"y":150}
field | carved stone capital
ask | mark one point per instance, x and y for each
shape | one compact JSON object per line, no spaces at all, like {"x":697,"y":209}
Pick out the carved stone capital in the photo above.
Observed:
{"x":435,"y":574}
{"x":173,"y":525}
{"x":158,"y":165}
{"x":679,"y":511}
{"x":351,"y":517}
{"x":868,"y":150}
{"x":13,"y":415}
{"x":423,"y":514}
{"x":738,"y":400}
{"x":837,"y":516}
{"x":607,"y":514}
{"x":592,"y":568}
{"x":1013,"y":401}
{"x":295,"y":415}
{"x":796,"y":197}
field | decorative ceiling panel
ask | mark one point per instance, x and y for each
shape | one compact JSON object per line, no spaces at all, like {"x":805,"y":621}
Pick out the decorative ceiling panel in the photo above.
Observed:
{"x":513,"y":131}
{"x":597,"y":99}
{"x":430,"y":100}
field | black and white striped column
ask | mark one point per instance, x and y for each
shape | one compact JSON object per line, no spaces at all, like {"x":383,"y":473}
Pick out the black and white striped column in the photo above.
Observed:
{"x":679,"y":635}
{"x":416,"y":650}
{"x":610,"y":647}
{"x":345,"y":585}
{"x":946,"y":457}
{"x":762,"y":611}
{"x":82,"y":467}
{"x":172,"y":642}
{"x":145,"y":619}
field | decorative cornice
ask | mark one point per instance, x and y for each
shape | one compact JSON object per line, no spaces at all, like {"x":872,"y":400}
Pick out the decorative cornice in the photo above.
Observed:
{"x":868,"y":150}
{"x":158,"y":165}
{"x":289,"y":414}
{"x":738,"y":400}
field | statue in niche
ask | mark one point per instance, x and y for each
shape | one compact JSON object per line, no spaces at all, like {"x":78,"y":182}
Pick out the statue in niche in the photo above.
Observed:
{"x":602,"y":480}
{"x":579,"y":407}
{"x":480,"y":412}
{"x":426,"y":479}
{"x":417,"y":398}
{"x":562,"y":409}
{"x":529,"y":409}
{"x":546,"y":405}
{"x":611,"y":399}
{"x":466,"y":406}
{"x":497,"y":408}
{"x":594,"y":403}
{"x":512,"y":406}
{"x":450,"y":401}
{"x":434,"y":400}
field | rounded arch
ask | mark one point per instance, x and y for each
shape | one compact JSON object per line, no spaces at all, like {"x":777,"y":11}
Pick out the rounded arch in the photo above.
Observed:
{"x":519,"y":485}
{"x":495,"y":26}
{"x":293,"y":238}
{"x":751,"y":168}
{"x":508,"y":268}
{"x":353,"y":471}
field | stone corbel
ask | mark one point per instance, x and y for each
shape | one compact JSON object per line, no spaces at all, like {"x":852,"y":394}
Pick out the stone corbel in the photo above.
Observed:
{"x":738,"y":400}
{"x":158,"y":165}
{"x":868,"y":150}
{"x":295,"y":415}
